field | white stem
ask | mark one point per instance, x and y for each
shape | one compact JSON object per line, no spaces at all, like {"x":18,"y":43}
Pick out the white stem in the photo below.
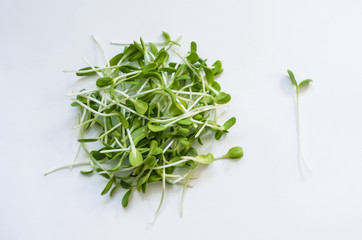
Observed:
{"x":300,"y":135}
{"x":101,"y":48}
{"x":138,"y":94}
{"x":191,"y":93}
{"x":83,"y":92}
{"x":171,"y":43}
{"x":125,"y":75}
{"x":184,"y":188}
{"x":94,"y":69}
{"x":147,"y":44}
{"x":207,"y":124}
{"x":128,"y":109}
{"x":202,"y":128}
{"x":118,"y":142}
{"x":67,"y":166}
{"x":92,"y":110}
{"x":168,"y":146}
{"x":194,"y":104}
{"x":171,"y":164}
{"x":186,"y":115}
{"x":143,"y":85}
{"x":76,"y":155}
{"x":116,"y":150}
{"x":110,"y":130}
{"x":162,"y":196}
{"x":90,"y":70}
{"x":182,"y":177}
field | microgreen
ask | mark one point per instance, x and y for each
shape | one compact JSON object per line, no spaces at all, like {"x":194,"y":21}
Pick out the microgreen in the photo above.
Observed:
{"x":146,"y":113}
{"x":234,"y":152}
{"x":303,"y":83}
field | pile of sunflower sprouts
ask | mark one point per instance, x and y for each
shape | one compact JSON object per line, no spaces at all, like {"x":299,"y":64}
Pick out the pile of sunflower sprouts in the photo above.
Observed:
{"x":146,"y":112}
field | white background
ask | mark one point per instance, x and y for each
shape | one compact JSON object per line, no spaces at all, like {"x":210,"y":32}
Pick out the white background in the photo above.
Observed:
{"x":263,"y":195}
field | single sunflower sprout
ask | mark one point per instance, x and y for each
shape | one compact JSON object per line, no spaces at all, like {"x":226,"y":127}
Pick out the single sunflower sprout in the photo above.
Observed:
{"x":303,"y":83}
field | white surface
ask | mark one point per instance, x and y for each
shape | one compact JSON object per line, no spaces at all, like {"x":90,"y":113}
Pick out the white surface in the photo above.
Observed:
{"x":261,"y":196}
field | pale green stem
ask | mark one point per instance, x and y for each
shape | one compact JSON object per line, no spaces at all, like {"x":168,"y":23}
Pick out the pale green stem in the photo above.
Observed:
{"x":168,"y":146}
{"x":171,"y":43}
{"x":299,"y":133}
{"x":207,"y":124}
{"x":171,"y":164}
{"x":184,"y":188}
{"x":101,"y":49}
{"x":116,"y":150}
{"x":94,"y":69}
{"x":84,"y":92}
{"x":162,"y":196}
{"x":67,"y":166}
{"x":90,"y":70}
{"x":202,"y":128}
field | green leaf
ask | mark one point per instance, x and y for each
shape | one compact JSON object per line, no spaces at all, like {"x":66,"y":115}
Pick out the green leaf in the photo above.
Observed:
{"x":193,"y":57}
{"x":193,"y":47}
{"x":161,"y":57}
{"x":305,"y":82}
{"x":209,"y":75}
{"x":229,"y":123}
{"x":75,"y":104}
{"x":204,"y":159}
{"x":104,"y":81}
{"x":125,"y":198}
{"x":218,"y":134}
{"x":153,"y":49}
{"x":135,"y":157}
{"x":223,"y":98}
{"x":142,"y":180}
{"x":125,"y":185}
{"x":198,"y":117}
{"x":234,"y":152}
{"x":108,"y":186}
{"x":149,"y":161}
{"x":140,"y":106}
{"x":142,"y":44}
{"x":155,"y":128}
{"x":149,"y":67}
{"x":144,"y":187}
{"x":154,"y":177}
{"x":134,"y":57}
{"x":153,"y":146}
{"x":115,"y":60}
{"x":98,"y":156}
{"x":184,"y":142}
{"x":173,"y":98}
{"x":217,"y":67}
{"x":157,"y":151}
{"x":124,"y":121}
{"x":183,"y":131}
{"x":186,"y":121}
{"x":139,"y":134}
{"x":86,"y":172}
{"x":86,"y":73}
{"x":292,"y":78}
{"x":216,"y":86}
{"x":113,"y":190}
{"x":182,"y":77}
{"x":82,"y":140}
{"x":166,"y":36}
{"x":128,"y":68}
{"x":138,"y":46}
